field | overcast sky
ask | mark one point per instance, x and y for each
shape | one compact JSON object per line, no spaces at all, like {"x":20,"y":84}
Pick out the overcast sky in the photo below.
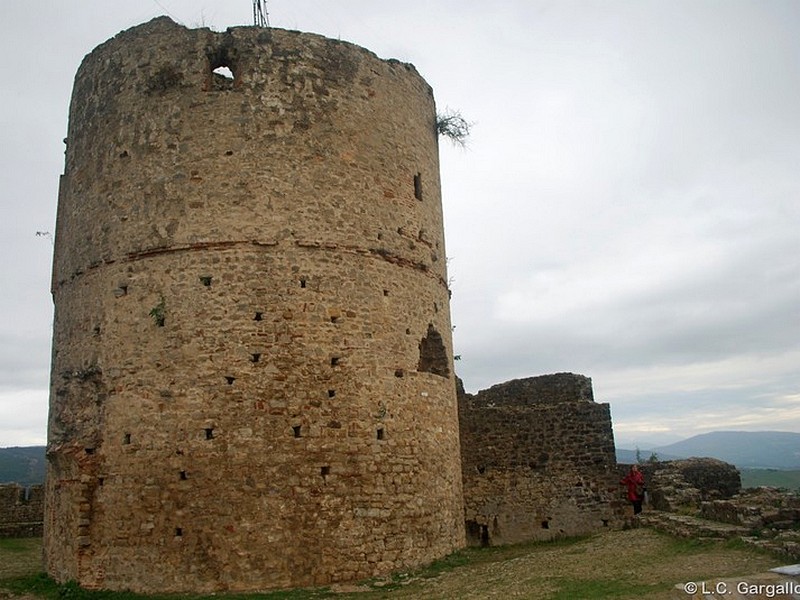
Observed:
{"x":628,"y":207}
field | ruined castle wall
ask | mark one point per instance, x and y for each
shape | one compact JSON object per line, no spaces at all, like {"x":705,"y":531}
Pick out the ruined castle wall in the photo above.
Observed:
{"x":538,"y":461}
{"x":252,"y":378}
{"x":21,"y":510}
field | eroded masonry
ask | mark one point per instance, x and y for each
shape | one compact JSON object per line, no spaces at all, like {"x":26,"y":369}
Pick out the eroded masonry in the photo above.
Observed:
{"x":538,"y":461}
{"x":252,"y":382}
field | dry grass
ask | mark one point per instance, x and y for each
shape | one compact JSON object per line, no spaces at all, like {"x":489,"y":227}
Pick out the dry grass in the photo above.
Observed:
{"x":638,"y":563}
{"x":20,"y":557}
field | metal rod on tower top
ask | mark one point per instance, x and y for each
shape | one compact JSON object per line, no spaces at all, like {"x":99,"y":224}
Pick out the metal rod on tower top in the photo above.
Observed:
{"x":260,"y":14}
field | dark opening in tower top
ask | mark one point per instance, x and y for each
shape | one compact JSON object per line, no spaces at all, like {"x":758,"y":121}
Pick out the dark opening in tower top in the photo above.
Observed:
{"x":223,"y":71}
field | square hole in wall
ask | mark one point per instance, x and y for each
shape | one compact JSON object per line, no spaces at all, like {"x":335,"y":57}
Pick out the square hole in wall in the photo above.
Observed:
{"x":209,"y":433}
{"x":331,"y":393}
{"x":296,"y":431}
{"x":259,"y":317}
{"x":380,"y":433}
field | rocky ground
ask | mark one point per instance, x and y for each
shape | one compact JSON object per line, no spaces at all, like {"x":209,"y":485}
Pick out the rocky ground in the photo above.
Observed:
{"x":636,"y":563}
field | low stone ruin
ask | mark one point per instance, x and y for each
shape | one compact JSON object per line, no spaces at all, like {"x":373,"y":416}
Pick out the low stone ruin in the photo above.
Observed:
{"x":21,"y":510}
{"x":771,"y":516}
{"x":703,"y":498}
{"x":683,"y":485}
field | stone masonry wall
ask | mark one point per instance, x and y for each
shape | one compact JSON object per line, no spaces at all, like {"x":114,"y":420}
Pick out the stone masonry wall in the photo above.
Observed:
{"x":537,"y":461}
{"x":21,"y":510}
{"x":252,"y":382}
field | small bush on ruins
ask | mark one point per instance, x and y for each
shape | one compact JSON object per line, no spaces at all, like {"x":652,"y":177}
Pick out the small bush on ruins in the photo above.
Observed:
{"x":453,"y":126}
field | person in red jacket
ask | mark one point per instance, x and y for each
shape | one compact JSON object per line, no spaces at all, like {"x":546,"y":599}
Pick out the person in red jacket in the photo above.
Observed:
{"x":634,"y":481}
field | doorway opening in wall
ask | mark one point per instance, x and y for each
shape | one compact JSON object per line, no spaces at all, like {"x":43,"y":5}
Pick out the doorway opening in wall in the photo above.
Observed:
{"x":477,"y":534}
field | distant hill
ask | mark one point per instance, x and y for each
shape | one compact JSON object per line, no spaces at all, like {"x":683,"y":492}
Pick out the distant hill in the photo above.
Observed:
{"x":745,"y":449}
{"x":23,"y":465}
{"x":628,"y":457}
{"x":753,"y":449}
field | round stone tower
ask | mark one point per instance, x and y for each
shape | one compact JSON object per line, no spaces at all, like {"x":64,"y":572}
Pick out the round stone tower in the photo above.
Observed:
{"x":252,"y":382}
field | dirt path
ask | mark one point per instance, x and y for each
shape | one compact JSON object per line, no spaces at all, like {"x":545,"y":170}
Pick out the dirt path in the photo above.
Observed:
{"x":638,"y":563}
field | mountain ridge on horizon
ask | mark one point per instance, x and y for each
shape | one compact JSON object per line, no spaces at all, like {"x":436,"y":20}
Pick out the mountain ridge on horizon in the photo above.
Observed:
{"x":745,"y":449}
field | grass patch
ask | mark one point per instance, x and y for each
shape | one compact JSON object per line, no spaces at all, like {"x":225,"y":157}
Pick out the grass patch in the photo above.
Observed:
{"x":16,"y":545}
{"x":777,"y":478}
{"x":569,"y":589}
{"x":39,"y":585}
{"x":683,"y":546}
{"x":20,"y":557}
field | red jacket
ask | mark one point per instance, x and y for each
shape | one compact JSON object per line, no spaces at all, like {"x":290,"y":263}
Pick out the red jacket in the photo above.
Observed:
{"x":633,"y":480}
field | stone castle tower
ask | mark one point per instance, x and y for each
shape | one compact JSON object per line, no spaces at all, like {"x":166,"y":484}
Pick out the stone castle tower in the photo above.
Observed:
{"x":252,"y":382}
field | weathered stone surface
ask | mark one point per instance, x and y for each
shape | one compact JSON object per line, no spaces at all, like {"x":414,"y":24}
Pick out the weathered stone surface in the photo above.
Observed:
{"x":682,"y":485}
{"x":771,"y":516}
{"x":688,"y":526}
{"x":252,"y":372}
{"x":758,"y":508}
{"x":538,"y":460}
